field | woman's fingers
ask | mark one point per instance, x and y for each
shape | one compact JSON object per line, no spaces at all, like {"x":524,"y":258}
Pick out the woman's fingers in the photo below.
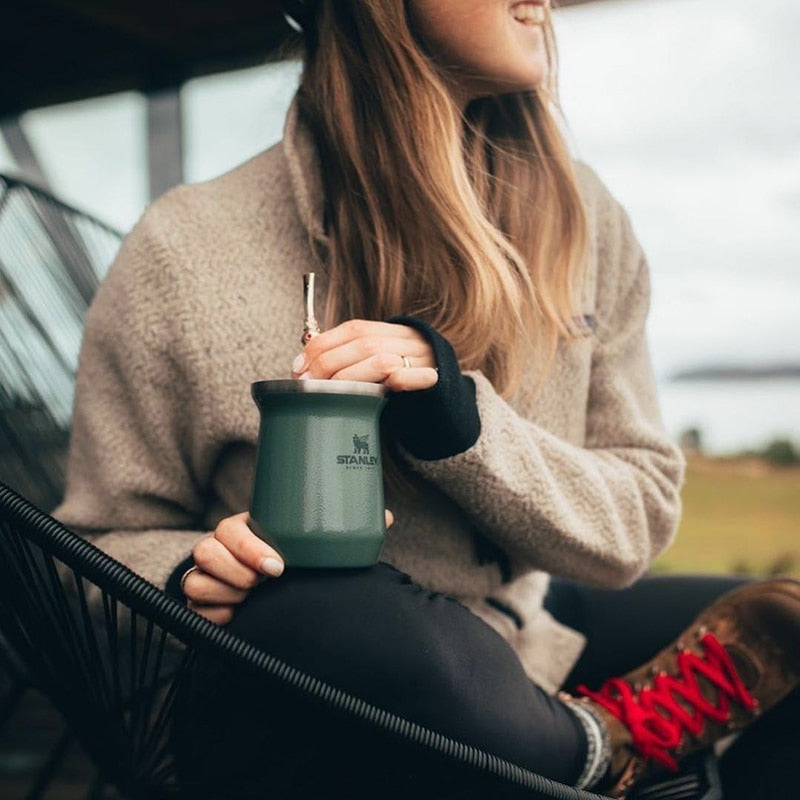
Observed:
{"x":384,"y":353}
{"x":220,"y":615}
{"x":389,"y":518}
{"x":356,"y":329}
{"x":228,"y":564}
{"x":362,"y":350}
{"x":411,"y":379}
{"x":213,"y":558}
{"x":382,"y":367}
{"x":247,"y":548}
{"x":204,"y":589}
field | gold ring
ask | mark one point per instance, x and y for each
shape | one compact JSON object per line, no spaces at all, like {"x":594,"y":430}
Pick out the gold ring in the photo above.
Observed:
{"x":193,"y":568}
{"x":406,"y":362}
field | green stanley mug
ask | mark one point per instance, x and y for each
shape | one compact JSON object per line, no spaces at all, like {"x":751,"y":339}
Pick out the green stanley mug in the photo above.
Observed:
{"x":318,"y":484}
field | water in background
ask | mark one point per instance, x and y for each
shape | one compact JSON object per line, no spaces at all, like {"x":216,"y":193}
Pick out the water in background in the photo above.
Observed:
{"x":733,"y":415}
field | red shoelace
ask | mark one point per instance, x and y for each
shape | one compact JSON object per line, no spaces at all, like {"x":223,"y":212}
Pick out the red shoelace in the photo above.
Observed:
{"x":655,"y":717}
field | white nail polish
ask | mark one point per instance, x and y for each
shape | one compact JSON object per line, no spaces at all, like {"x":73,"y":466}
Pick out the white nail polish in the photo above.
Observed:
{"x":298,"y":363}
{"x":271,"y":566}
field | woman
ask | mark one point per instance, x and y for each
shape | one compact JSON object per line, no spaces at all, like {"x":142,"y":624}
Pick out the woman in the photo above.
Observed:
{"x":497,"y":289}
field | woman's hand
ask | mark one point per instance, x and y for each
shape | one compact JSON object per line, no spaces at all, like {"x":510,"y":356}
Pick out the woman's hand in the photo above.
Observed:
{"x":361,"y":350}
{"x":228,"y":564}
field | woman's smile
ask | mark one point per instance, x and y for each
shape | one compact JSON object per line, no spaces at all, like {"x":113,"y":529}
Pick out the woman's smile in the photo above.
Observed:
{"x":530,"y":13}
{"x":488,"y":46}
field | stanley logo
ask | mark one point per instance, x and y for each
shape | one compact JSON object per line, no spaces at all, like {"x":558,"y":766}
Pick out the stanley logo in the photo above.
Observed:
{"x":360,"y":456}
{"x":360,"y":444}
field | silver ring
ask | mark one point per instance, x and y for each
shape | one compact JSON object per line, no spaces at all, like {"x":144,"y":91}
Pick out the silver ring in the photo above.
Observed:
{"x":406,"y":362}
{"x":193,"y":568}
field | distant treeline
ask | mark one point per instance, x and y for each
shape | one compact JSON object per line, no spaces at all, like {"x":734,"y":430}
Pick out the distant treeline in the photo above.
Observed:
{"x":780,"y":452}
{"x":738,"y":373}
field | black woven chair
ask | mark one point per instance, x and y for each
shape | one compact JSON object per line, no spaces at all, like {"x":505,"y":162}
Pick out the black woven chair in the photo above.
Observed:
{"x":110,"y":650}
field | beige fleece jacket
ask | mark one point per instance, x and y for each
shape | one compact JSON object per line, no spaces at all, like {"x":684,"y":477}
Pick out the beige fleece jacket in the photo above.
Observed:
{"x":577,"y":480}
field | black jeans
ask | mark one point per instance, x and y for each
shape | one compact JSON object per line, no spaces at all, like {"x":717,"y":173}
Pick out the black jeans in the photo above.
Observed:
{"x":421,"y":655}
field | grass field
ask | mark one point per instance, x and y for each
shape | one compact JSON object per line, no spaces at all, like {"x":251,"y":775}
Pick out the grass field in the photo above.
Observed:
{"x":740,"y":515}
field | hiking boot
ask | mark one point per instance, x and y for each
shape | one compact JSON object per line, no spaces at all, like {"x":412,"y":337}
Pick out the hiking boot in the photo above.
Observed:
{"x":739,"y":658}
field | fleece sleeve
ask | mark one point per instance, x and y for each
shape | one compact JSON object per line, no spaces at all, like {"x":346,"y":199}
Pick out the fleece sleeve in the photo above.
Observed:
{"x":132,"y":482}
{"x":600,"y":512}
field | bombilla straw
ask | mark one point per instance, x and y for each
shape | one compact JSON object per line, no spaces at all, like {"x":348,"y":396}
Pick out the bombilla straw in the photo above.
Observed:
{"x":310,"y":324}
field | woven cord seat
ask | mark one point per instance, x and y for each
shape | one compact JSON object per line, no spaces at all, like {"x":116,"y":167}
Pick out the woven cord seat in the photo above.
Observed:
{"x":109,"y":649}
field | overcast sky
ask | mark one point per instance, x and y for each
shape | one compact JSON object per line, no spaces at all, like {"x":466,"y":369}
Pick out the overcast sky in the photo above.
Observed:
{"x":688,"y":109}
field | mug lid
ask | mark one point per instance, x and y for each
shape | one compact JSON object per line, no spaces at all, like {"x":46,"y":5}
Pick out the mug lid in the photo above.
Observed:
{"x":312,"y":386}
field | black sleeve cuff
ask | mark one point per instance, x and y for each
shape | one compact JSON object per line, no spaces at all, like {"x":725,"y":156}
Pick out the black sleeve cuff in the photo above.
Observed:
{"x":173,"y":587}
{"x":439,"y":422}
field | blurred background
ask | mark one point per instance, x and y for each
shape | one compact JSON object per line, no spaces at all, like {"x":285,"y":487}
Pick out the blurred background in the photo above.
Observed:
{"x":688,"y":109}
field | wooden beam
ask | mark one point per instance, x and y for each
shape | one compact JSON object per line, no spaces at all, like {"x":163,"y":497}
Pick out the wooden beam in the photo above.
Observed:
{"x":164,"y":141}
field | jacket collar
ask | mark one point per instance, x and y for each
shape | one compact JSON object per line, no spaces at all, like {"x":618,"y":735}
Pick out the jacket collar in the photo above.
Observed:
{"x":305,"y":172}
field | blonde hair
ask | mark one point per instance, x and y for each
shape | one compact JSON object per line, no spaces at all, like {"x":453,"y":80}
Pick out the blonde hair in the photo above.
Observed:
{"x":469,"y":220}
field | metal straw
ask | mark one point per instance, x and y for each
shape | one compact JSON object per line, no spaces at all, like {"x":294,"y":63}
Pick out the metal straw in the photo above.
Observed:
{"x":310,"y":324}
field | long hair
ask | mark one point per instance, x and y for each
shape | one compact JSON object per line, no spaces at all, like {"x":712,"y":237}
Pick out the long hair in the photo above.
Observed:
{"x":470,"y":220}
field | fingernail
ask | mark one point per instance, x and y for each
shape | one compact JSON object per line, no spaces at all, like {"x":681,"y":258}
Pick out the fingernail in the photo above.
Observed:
{"x":271,"y":566}
{"x":298,"y":363}
{"x":304,"y":377}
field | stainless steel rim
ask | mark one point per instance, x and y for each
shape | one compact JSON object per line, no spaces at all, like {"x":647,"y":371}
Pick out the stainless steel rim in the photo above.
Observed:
{"x":261,"y":388}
